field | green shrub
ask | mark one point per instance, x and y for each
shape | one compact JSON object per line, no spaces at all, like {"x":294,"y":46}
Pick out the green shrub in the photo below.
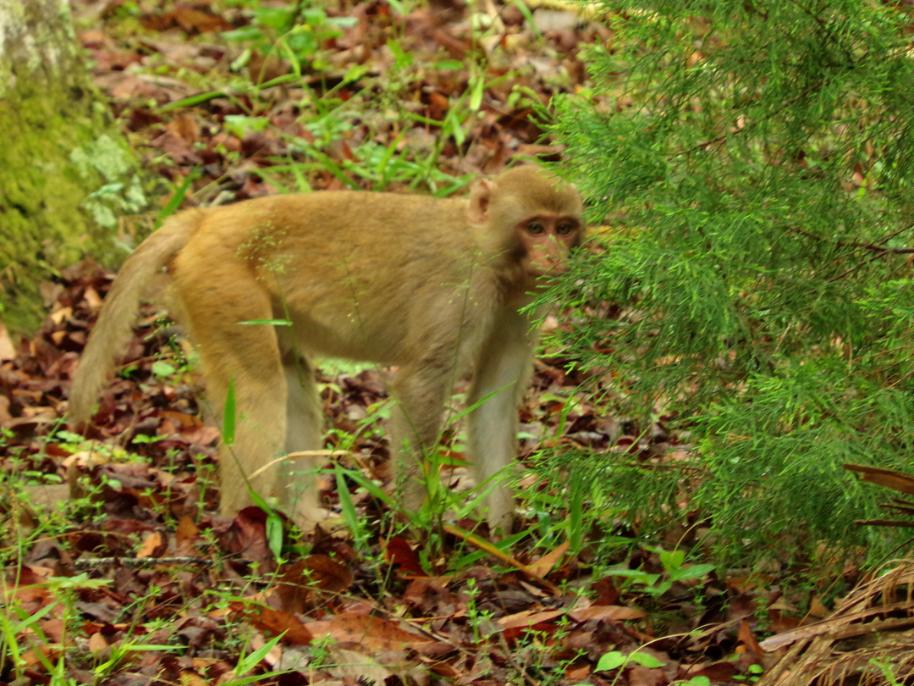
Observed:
{"x":754,"y":162}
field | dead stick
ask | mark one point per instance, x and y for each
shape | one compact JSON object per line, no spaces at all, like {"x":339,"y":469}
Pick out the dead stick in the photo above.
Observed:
{"x":499,"y":554}
{"x":95,"y":562}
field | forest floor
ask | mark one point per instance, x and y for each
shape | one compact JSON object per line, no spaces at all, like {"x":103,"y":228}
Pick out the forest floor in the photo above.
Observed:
{"x":119,"y":570}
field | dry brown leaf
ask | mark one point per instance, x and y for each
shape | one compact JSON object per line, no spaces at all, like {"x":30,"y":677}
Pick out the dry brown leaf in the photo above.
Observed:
{"x":616,"y":613}
{"x":544,"y":565}
{"x":645,"y":676}
{"x":528,"y":618}
{"x":303,"y":582}
{"x":48,"y":496}
{"x":358,"y":667}
{"x":274,"y":621}
{"x":817,"y":609}
{"x":86,"y":459}
{"x":97,"y":643}
{"x":7,"y":349}
{"x":54,"y":629}
{"x":366,"y":631}
{"x":748,"y":638}
{"x":888,"y":478}
{"x":152,"y":544}
{"x":186,"y":534}
{"x":326,"y":573}
{"x":400,"y":553}
{"x":577,"y":674}
{"x":192,"y":19}
{"x":92,"y":298}
{"x":185,"y":127}
{"x":60,"y":315}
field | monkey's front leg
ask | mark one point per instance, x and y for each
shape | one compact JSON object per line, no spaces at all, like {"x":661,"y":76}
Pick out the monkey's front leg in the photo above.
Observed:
{"x":499,"y":382}
{"x":419,"y":393}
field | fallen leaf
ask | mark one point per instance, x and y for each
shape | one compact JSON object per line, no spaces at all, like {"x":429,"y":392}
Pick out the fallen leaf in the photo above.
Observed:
{"x":247,"y":536}
{"x":528,"y":618}
{"x":888,"y":478}
{"x":60,"y":315}
{"x":547,"y":20}
{"x":153,"y":545}
{"x":366,"y":631}
{"x":302,"y":582}
{"x":358,"y":667}
{"x":48,"y":496}
{"x":718,"y":671}
{"x":54,"y":629}
{"x":326,"y":573}
{"x":748,"y":638}
{"x":544,"y":565}
{"x":97,"y":643}
{"x":578,"y":673}
{"x":400,"y":554}
{"x":192,"y":19}
{"x":7,"y":349}
{"x":273,"y":621}
{"x":185,"y":127}
{"x":186,"y":534}
{"x":613,"y":612}
{"x":92,"y":298}
{"x":643,"y":676}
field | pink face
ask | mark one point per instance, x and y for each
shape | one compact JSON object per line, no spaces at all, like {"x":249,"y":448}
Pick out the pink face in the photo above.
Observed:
{"x":547,"y":239}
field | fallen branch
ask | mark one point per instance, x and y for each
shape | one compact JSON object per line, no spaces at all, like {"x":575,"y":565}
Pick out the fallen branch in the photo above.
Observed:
{"x":502,"y":556}
{"x":96,"y":562}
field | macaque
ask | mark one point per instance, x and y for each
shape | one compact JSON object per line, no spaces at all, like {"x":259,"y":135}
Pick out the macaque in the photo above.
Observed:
{"x":429,"y":286}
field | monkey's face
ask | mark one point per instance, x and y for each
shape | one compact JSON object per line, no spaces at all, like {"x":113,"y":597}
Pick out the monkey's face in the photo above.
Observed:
{"x":546,"y":241}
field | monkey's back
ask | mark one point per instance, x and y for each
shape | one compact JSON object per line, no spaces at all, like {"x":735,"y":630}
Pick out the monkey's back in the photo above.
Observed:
{"x":370,"y":276}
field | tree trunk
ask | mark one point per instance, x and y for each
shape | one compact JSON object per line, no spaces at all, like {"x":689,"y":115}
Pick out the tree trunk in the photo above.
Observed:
{"x":65,"y":174}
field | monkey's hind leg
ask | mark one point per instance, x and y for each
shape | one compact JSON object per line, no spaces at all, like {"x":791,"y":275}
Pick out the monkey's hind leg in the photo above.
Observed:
{"x":245,"y":357}
{"x":298,"y":486}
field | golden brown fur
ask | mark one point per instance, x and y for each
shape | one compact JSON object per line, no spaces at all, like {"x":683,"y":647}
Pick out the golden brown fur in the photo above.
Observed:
{"x":430,"y":286}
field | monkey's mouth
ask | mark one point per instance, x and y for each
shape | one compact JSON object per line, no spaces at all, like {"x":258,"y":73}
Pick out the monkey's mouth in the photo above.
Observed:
{"x":541,"y":271}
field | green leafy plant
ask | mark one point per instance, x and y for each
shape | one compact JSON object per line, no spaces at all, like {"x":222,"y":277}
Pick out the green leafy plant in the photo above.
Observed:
{"x":755,"y":165}
{"x":617,"y":660}
{"x":674,"y":571}
{"x":695,"y":681}
{"x":296,"y":32}
{"x":21,"y":629}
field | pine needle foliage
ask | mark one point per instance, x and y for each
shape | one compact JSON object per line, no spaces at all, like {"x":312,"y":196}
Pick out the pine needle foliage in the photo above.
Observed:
{"x":755,"y":164}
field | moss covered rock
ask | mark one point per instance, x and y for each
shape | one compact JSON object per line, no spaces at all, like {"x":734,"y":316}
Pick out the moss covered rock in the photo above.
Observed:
{"x":65,"y":173}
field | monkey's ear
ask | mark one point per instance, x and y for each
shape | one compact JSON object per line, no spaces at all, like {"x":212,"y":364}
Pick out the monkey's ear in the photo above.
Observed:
{"x":481,"y":194}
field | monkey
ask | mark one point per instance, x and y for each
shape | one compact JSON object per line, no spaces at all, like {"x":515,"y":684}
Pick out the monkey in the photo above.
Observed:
{"x":428,"y":286}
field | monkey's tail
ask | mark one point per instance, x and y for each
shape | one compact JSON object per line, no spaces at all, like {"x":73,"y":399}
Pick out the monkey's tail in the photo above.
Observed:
{"x":114,"y":326}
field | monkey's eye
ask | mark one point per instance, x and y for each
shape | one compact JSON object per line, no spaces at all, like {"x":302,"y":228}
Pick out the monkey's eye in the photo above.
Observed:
{"x":535,"y":228}
{"x":565,"y":228}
